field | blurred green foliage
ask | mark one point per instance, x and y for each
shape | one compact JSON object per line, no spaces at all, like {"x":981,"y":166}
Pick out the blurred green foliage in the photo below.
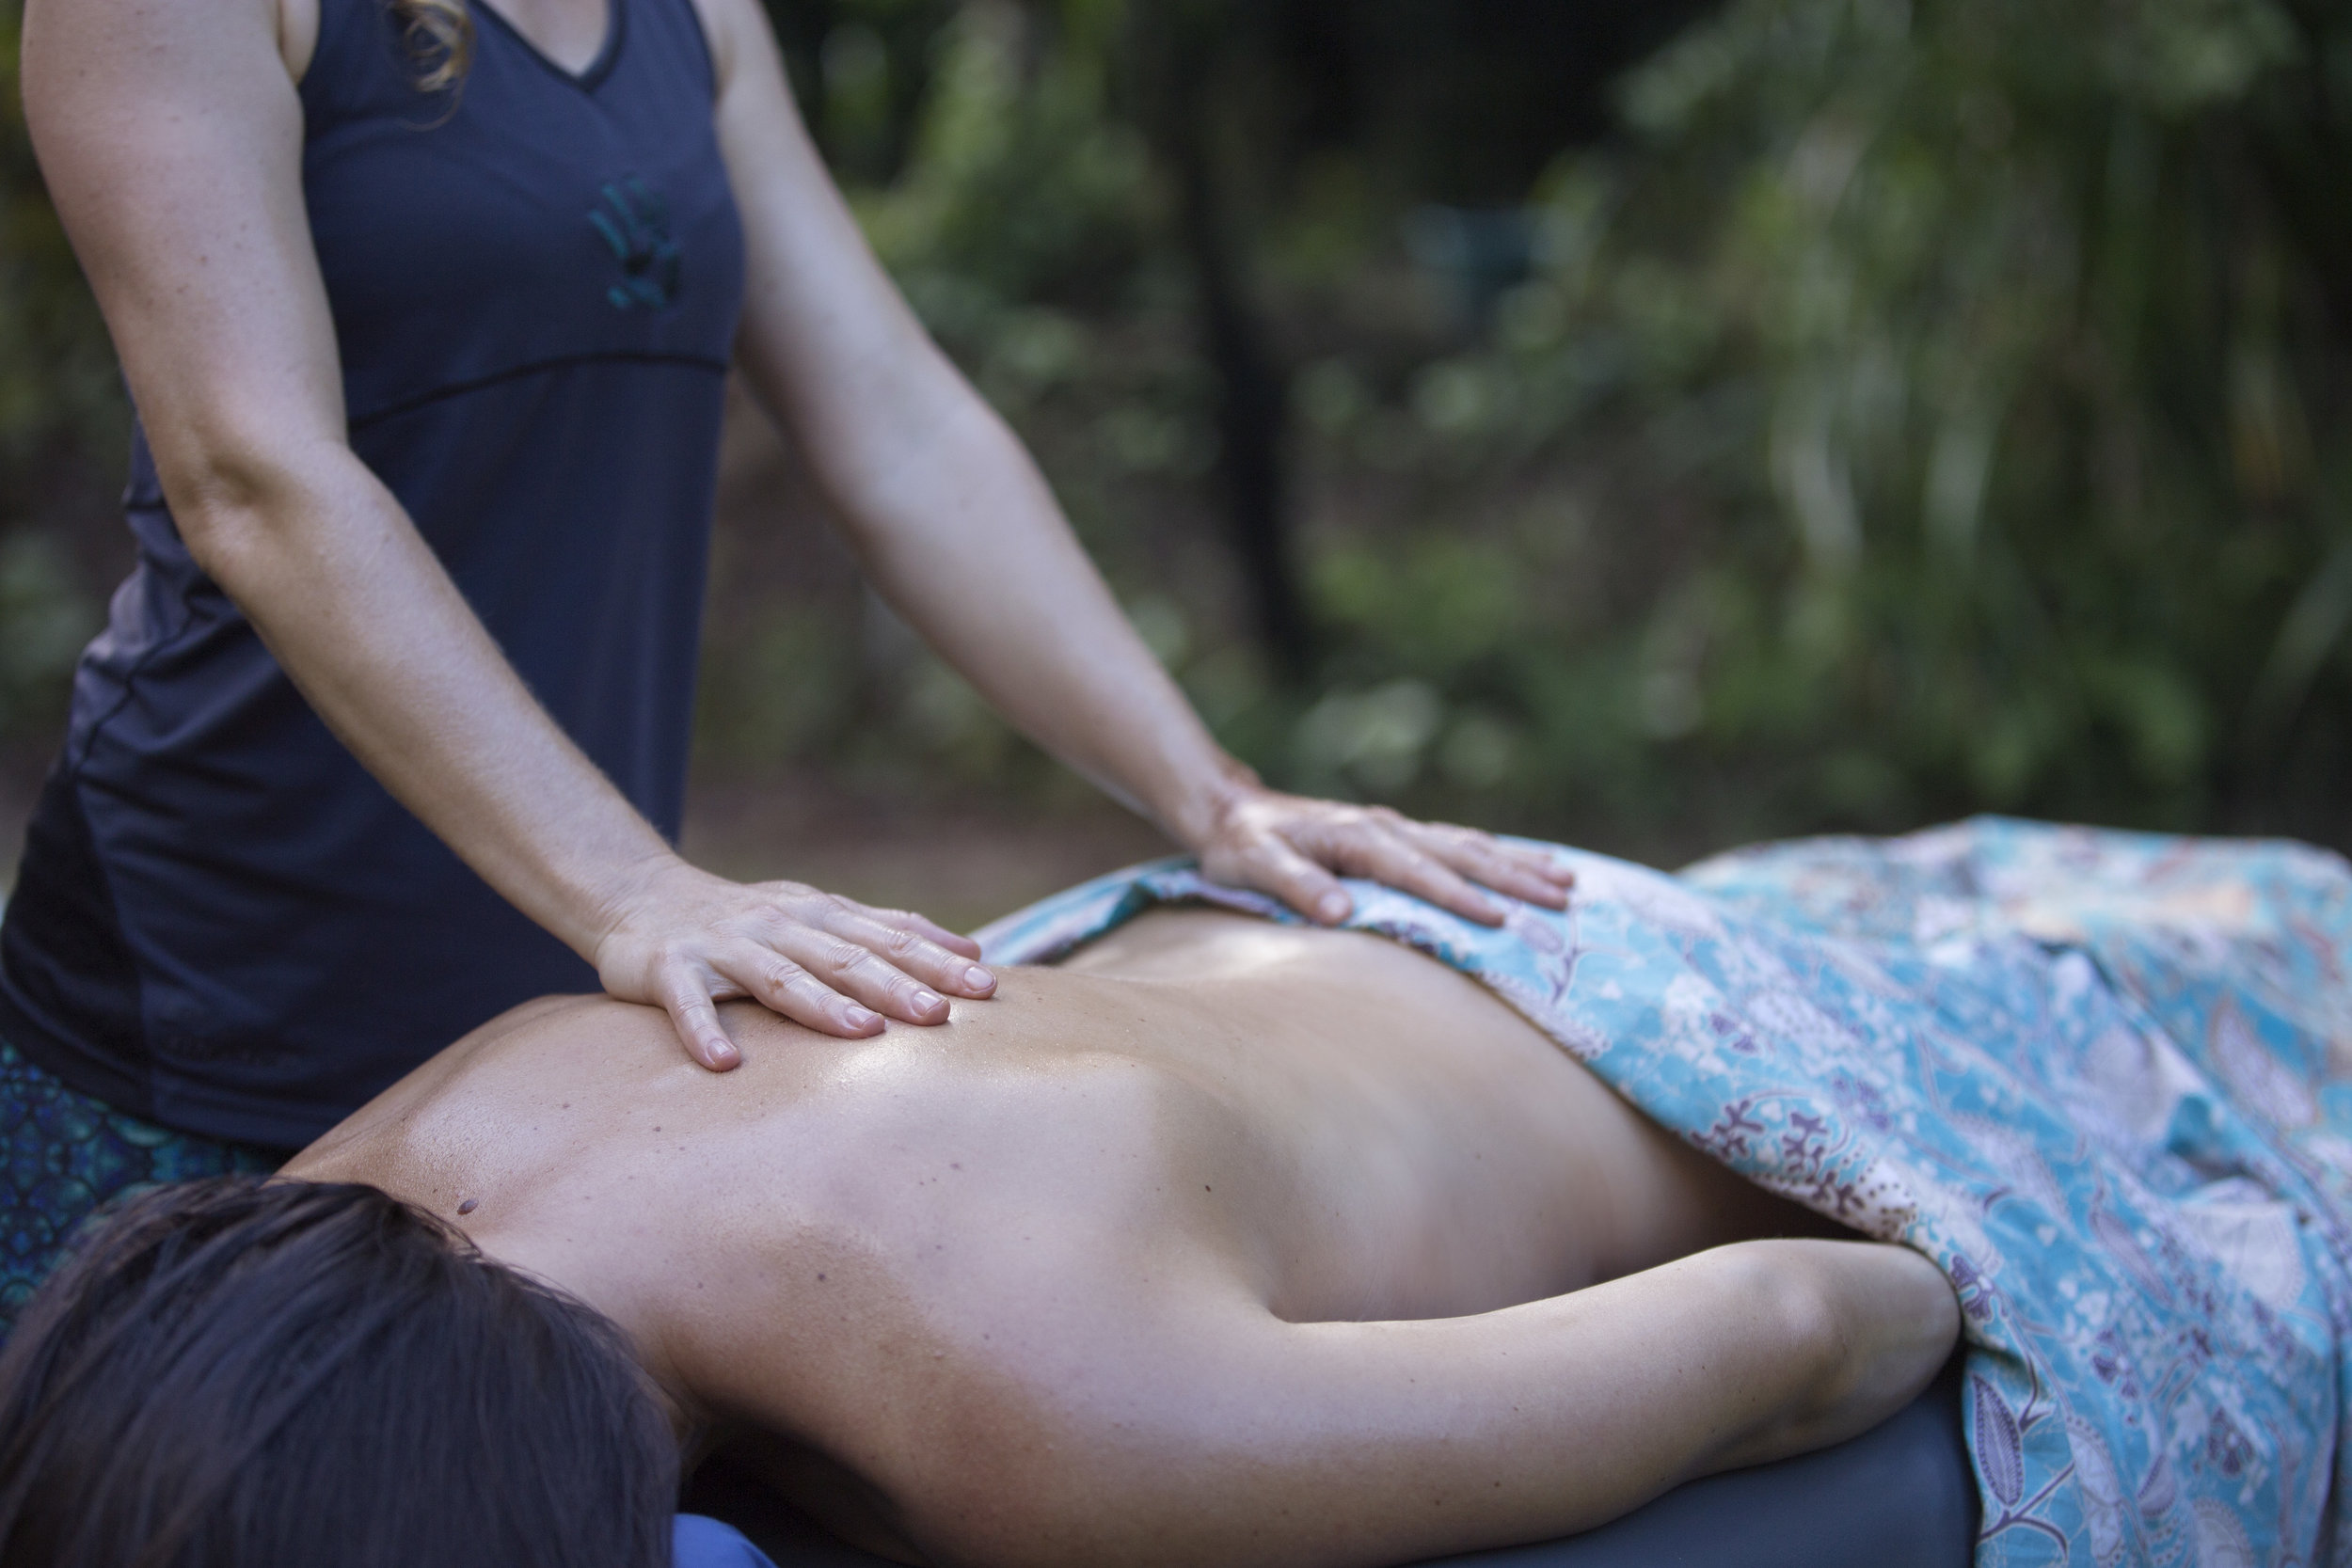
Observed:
{"x":1912,"y":408}
{"x":1990,"y":361}
{"x":60,"y":406}
{"x":1867,"y":411}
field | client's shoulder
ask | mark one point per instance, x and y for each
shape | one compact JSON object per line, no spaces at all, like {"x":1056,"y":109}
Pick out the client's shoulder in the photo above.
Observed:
{"x":517,"y":1088}
{"x":564,"y":1088}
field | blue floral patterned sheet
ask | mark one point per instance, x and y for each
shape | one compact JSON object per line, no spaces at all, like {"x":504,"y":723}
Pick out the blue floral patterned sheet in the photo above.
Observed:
{"x":2103,"y":1080}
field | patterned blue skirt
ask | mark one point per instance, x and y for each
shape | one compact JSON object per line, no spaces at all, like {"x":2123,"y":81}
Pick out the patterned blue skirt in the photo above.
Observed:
{"x":63,"y":1156}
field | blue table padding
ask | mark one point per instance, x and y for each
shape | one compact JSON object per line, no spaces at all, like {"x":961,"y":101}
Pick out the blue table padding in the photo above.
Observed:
{"x":697,"y":1541}
{"x":1900,"y":1495}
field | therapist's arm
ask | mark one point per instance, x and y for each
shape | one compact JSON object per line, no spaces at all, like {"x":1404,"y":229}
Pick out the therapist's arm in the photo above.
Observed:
{"x":171,"y":136}
{"x":957,"y":529}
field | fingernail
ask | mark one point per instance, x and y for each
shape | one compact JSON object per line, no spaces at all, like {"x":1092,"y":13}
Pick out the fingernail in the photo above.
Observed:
{"x":979,"y":978}
{"x":924,"y":1001}
{"x":1333,"y":906}
{"x":858,"y":1018}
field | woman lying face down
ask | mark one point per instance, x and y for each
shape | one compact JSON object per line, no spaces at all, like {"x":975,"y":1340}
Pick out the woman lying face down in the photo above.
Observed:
{"x":1219,"y":1242}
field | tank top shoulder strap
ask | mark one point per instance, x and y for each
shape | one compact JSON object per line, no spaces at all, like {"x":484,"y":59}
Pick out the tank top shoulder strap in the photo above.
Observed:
{"x":690,"y":14}
{"x":676,"y":28}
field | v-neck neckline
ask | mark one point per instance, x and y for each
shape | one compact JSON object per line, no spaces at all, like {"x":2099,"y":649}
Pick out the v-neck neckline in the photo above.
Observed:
{"x":587,"y":80}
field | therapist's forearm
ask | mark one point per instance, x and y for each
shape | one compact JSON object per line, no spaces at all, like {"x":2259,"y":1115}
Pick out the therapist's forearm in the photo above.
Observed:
{"x":362,"y":617}
{"x":968,"y":544}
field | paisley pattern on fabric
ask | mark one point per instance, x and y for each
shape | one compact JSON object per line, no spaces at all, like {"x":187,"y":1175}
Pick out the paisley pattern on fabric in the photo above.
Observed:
{"x":64,"y":1155}
{"x":2102,"y":1080}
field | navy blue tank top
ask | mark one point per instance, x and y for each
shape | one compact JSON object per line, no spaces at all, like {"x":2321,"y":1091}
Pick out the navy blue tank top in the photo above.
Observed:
{"x":222,"y":922}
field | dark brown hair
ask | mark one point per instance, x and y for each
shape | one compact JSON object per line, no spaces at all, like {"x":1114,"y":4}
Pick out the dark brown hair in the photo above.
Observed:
{"x":240,"y":1374}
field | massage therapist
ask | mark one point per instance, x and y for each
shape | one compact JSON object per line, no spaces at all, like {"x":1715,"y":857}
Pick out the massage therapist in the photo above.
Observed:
{"x":427,"y":309}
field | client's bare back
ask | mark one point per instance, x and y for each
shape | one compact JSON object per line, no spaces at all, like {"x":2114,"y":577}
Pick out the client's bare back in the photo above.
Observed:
{"x":1200,"y":1209}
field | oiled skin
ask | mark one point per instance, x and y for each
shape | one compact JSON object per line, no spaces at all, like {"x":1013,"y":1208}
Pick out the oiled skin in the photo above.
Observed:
{"x":1223,"y":1243}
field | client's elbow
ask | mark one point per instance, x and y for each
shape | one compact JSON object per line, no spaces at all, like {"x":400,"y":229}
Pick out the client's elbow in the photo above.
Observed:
{"x":1885,"y":1321}
{"x":1863,"y":1328}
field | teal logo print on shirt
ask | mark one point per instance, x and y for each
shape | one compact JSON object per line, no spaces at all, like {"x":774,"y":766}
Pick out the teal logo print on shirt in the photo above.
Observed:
{"x":635,"y":222}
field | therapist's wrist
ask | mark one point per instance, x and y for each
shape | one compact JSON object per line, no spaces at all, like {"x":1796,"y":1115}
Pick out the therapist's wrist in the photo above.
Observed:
{"x":1204,"y":811}
{"x":611,"y":895}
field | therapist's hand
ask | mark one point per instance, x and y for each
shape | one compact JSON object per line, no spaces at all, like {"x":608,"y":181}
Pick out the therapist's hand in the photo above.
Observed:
{"x":684,"y":941}
{"x":1297,"y":848}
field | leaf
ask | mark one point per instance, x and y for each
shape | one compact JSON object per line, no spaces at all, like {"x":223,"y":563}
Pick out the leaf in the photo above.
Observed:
{"x":2000,"y":1453}
{"x":2310,"y":630}
{"x":2158,"y":1492}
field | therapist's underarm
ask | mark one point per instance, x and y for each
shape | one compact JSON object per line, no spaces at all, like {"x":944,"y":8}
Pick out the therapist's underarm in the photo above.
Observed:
{"x":362,"y":615}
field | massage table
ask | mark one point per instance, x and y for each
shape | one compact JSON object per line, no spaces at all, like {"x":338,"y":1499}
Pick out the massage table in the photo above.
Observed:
{"x":1900,"y":1495}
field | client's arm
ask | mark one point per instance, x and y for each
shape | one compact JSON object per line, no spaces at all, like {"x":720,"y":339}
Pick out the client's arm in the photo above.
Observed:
{"x":1376,"y":1443}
